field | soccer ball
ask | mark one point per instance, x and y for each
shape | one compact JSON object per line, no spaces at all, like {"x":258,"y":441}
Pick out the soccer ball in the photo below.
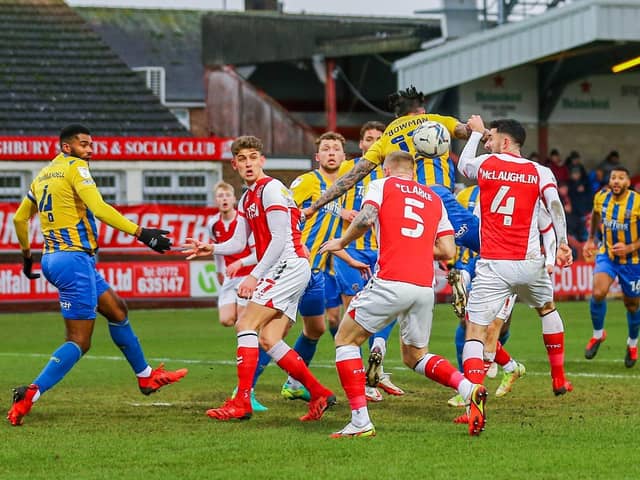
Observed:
{"x":431,"y":139}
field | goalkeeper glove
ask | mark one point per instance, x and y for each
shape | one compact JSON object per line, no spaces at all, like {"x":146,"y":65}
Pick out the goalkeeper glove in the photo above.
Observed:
{"x":27,"y":264}
{"x":155,"y":239}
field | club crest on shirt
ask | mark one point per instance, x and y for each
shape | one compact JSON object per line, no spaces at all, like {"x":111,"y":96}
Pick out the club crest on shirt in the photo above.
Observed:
{"x":286,"y":193}
{"x":296,"y":182}
{"x":84,"y":172}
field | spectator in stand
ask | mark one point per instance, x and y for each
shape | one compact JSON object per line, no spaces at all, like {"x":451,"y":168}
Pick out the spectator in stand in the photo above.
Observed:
{"x":579,"y":189}
{"x":576,"y":228}
{"x":596,"y":179}
{"x":574,"y":159}
{"x":611,"y":161}
{"x":534,"y":157}
{"x":558,"y":166}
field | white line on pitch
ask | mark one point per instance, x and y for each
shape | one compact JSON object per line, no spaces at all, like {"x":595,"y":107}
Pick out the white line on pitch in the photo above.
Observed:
{"x":391,"y":364}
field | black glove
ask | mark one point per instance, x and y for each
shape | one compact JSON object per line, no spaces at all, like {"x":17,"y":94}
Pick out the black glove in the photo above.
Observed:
{"x":155,"y":239}
{"x":27,"y":264}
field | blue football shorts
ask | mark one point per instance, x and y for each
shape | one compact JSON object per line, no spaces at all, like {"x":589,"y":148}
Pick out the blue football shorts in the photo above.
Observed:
{"x":349,"y":279}
{"x":78,"y":282}
{"x":628,"y":274}
{"x":332,"y":297}
{"x":312,"y":301}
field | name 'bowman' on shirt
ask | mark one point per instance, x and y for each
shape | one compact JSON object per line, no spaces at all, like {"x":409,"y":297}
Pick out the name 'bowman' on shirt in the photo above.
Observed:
{"x":398,"y":136}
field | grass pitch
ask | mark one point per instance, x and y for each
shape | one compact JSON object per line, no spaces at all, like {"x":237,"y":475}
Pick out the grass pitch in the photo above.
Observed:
{"x":96,"y":425}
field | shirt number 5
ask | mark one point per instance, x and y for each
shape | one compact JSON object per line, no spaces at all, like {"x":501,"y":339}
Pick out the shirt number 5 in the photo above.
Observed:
{"x":410,"y":214}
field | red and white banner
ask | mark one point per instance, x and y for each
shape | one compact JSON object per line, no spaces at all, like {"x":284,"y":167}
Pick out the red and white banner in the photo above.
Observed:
{"x":181,"y":221}
{"x":129,"y":279}
{"x":182,"y":279}
{"x":577,"y":281}
{"x":122,"y":148}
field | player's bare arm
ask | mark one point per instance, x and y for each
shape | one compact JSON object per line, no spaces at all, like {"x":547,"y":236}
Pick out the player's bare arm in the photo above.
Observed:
{"x":462,"y":131}
{"x":360,"y":225}
{"x":341,"y":185}
{"x":195,"y":248}
{"x":564,"y":256}
{"x":621,"y":249}
{"x":444,"y":248}
{"x":364,"y":268}
{"x":589,"y":249}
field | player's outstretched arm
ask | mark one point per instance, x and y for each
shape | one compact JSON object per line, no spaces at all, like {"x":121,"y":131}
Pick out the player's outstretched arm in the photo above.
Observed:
{"x":195,"y":248}
{"x":341,"y":185}
{"x":364,"y":268}
{"x":360,"y":225}
{"x":23,"y":215}
{"x":466,"y":162}
{"x":444,"y":248}
{"x":590,"y":248}
{"x":154,"y":238}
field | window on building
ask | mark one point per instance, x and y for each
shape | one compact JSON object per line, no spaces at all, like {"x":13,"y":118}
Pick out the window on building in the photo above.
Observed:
{"x":13,"y":186}
{"x":184,"y":188}
{"x":111,"y":185}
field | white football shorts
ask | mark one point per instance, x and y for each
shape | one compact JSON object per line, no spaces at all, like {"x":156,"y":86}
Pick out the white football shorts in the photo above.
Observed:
{"x":283,"y":285}
{"x":381,"y":301}
{"x":496,"y":280}
{"x":229,"y":292}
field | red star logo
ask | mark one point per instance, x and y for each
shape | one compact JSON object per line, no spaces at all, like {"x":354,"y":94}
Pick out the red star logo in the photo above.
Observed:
{"x":498,"y":81}
{"x":585,"y":87}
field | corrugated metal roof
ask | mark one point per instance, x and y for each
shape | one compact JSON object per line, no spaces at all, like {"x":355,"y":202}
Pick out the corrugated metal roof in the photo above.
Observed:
{"x":507,"y":46}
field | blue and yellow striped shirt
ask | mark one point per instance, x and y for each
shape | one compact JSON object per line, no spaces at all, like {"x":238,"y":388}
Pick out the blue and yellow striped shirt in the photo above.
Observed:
{"x":308,"y":188}
{"x":397,"y":136}
{"x":620,"y":223}
{"x":61,"y":193}
{"x":352,"y":200}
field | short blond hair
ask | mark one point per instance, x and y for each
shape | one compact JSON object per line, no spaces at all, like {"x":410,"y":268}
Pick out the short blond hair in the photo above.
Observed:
{"x":222,"y":185}
{"x":246,"y":141}
{"x":330,"y":136}
{"x":400,"y":160}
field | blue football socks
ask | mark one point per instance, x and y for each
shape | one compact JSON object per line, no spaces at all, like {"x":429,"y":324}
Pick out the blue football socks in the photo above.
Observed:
{"x":633,"y":321}
{"x":459,"y":339}
{"x":124,"y":338}
{"x":62,"y":360}
{"x":263,"y":360}
{"x":598,"y":312}
{"x":306,"y":348}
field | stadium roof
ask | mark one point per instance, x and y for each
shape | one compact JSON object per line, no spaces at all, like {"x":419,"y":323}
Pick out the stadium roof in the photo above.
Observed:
{"x":156,"y":38}
{"x":275,"y":37}
{"x":56,"y":70}
{"x":581,"y":38}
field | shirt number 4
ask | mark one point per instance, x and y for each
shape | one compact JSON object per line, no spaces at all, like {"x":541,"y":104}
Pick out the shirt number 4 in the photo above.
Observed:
{"x":504,"y":205}
{"x":46,"y":204}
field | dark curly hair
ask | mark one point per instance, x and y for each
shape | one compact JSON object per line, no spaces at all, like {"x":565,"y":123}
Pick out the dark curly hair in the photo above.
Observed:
{"x":406,"y":101}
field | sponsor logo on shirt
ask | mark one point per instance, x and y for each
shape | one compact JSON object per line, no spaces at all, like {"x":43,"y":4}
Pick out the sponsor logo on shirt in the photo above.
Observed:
{"x":252,"y":211}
